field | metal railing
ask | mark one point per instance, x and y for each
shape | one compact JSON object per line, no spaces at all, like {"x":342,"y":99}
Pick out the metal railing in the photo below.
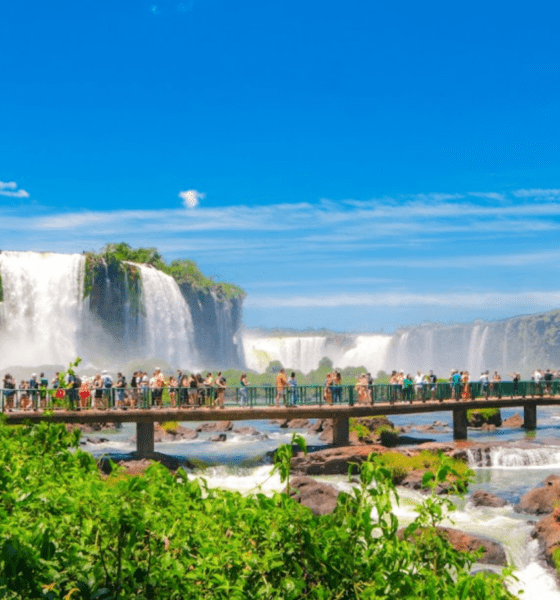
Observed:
{"x":251,"y":396}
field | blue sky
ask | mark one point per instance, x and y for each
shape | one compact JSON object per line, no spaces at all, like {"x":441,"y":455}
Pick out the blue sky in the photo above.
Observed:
{"x":356,"y":166}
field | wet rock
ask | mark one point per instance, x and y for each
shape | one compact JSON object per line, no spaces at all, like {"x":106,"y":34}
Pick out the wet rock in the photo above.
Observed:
{"x":493,"y":554}
{"x":215,"y":426}
{"x":514,"y":422}
{"x":488,"y":427}
{"x":316,"y":427}
{"x":178,"y":432}
{"x":333,"y":461}
{"x":320,"y":497}
{"x":93,"y":427}
{"x":134,"y":466}
{"x":282,"y":423}
{"x":327,"y":434}
{"x":96,"y":440}
{"x":298,"y":423}
{"x":247,"y":431}
{"x":482,"y":498}
{"x":541,"y":500}
{"x":221,"y":437}
{"x":547,"y":531}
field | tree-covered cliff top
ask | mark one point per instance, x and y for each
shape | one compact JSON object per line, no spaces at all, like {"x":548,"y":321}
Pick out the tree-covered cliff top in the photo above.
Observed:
{"x":183,"y":271}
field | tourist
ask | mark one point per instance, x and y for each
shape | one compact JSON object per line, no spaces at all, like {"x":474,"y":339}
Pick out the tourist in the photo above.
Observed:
{"x":243,"y":389}
{"x":55,"y":381}
{"x":548,"y":382}
{"x":135,"y":388}
{"x":173,"y":391}
{"x":220,"y":390}
{"x":145,"y":389}
{"x":465,"y":380}
{"x":44,"y":384}
{"x":407,"y":388}
{"x":9,"y":386}
{"x":84,"y":393}
{"x":24,"y":402}
{"x":201,"y":389}
{"x":34,"y":387}
{"x":158,"y":383}
{"x":99,"y":403}
{"x":393,"y":382}
{"x":370,"y":381}
{"x":361,"y":389}
{"x":327,"y":389}
{"x":432,"y":380}
{"x":537,"y":376}
{"x":456,"y":385}
{"x":495,"y":385}
{"x":516,"y":379}
{"x":120,"y":386}
{"x":193,"y":389}
{"x":281,"y":384}
{"x":209,"y":389}
{"x":419,"y":385}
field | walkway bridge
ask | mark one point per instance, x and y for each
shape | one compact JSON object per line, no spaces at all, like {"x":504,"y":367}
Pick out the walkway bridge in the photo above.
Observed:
{"x":311,"y":404}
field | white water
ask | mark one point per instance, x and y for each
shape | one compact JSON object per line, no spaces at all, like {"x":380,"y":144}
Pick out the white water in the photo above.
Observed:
{"x":300,"y":353}
{"x":500,"y":456}
{"x":370,"y":352}
{"x":41,"y":312}
{"x":167,"y":325}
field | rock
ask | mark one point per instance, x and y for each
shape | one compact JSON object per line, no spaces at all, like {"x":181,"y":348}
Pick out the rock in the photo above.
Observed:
{"x":216,"y":426}
{"x":333,"y":461}
{"x":178,"y":433}
{"x":283,"y":423}
{"x":478,"y":419}
{"x":221,"y":437}
{"x":514,"y":422}
{"x":493,"y":554}
{"x":547,"y":531}
{"x":327,"y":434}
{"x":482,"y":498}
{"x":320,"y":497}
{"x":315,"y":427}
{"x":93,"y":427}
{"x":247,"y":431}
{"x":135,"y":466}
{"x":488,"y":427}
{"x":96,"y":440}
{"x":541,"y":500}
{"x":298,"y":423}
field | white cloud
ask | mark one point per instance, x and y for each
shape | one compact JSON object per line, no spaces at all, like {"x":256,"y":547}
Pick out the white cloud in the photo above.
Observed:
{"x":191,"y":198}
{"x":489,"y":196}
{"x":480,"y":300}
{"x":538,"y":193}
{"x":9,"y":188}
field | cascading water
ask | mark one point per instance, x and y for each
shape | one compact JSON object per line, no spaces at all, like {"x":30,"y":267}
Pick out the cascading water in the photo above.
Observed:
{"x":167,"y":325}
{"x":41,"y":311}
{"x":370,"y":352}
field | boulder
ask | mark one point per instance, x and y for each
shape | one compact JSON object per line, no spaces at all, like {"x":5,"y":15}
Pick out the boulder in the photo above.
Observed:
{"x":514,"y":422}
{"x":247,"y":431}
{"x":333,"y":461}
{"x":179,"y":432}
{"x":316,"y":427}
{"x":482,"y":498}
{"x":298,"y":423}
{"x":541,"y":500}
{"x":547,"y":531}
{"x":488,"y":427}
{"x":92,"y":427}
{"x":320,"y":497}
{"x":221,"y":437}
{"x":493,"y":554}
{"x":327,"y":434}
{"x":216,"y":426}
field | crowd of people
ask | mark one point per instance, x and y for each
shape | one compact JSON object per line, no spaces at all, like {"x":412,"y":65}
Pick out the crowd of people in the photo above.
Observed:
{"x":101,"y":391}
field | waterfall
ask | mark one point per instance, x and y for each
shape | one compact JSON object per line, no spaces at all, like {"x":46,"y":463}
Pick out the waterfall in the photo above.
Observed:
{"x":167,"y":325}
{"x":513,"y":457}
{"x":370,"y":352}
{"x":299,"y":353}
{"x":41,"y":311}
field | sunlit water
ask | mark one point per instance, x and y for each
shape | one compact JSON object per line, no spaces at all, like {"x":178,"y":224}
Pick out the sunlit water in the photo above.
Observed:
{"x":241,"y":464}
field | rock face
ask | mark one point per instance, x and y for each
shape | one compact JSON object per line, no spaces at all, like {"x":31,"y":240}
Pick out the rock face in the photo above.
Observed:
{"x":216,"y":426}
{"x":514,"y":422}
{"x":482,"y":498}
{"x":547,"y":531}
{"x":541,"y":500}
{"x":320,"y":497}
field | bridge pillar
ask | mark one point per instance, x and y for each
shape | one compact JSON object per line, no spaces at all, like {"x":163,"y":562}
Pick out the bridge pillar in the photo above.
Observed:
{"x":341,"y":430}
{"x":145,"y":439}
{"x":530,"y":416}
{"x":460,"y":424}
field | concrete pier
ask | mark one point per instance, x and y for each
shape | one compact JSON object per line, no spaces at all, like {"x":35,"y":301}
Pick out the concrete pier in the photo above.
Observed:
{"x":341,"y":431}
{"x":460,"y":424}
{"x":530,"y":416}
{"x":145,"y":439}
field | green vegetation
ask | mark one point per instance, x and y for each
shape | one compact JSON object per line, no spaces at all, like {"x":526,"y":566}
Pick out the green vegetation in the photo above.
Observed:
{"x":183,"y":271}
{"x":485,"y":413}
{"x":68,"y":532}
{"x":388,"y":436}
{"x":361,"y":431}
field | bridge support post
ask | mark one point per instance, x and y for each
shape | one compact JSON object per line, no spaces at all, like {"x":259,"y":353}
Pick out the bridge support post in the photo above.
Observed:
{"x":341,"y":430}
{"x":530,"y":416}
{"x":145,"y":439}
{"x":460,"y":424}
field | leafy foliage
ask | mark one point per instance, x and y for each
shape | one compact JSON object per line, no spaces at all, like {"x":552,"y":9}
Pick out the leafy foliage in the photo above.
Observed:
{"x":68,"y":532}
{"x":183,"y":271}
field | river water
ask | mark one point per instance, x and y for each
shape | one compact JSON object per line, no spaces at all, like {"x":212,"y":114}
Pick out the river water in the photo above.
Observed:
{"x":518,"y":461}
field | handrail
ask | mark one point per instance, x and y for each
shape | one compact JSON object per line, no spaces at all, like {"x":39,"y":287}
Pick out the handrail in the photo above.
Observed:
{"x":266,"y":395}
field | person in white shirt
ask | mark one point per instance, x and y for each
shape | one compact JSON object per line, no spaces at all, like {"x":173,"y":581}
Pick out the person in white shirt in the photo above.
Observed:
{"x":418,"y":384}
